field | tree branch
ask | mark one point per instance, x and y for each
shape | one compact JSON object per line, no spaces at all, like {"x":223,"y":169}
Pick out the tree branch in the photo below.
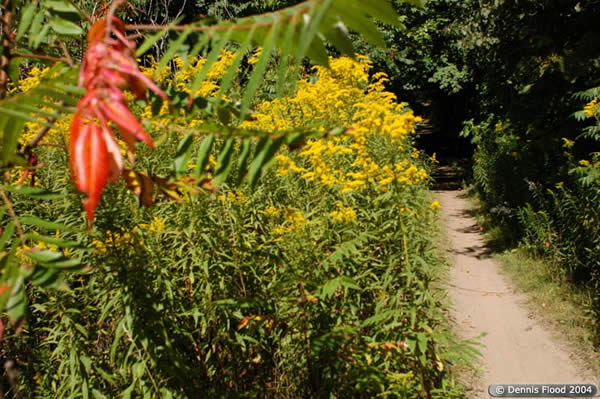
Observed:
{"x":39,"y":136}
{"x":67,"y":54}
{"x":86,"y":15}
{"x":6,"y":45}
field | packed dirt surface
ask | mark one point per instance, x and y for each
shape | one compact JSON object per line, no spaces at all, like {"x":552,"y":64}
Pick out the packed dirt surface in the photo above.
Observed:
{"x":517,"y":347}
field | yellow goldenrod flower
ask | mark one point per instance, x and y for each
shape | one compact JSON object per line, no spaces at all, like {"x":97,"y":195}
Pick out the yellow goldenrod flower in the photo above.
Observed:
{"x":590,"y":108}
{"x":567,"y":143}
{"x":343,"y":214}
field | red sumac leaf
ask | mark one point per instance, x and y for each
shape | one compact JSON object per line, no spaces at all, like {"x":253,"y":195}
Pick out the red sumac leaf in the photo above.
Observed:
{"x":90,"y":164}
{"x":108,"y":66}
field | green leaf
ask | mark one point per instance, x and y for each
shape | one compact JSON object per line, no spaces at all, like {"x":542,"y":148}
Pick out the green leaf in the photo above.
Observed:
{"x":338,"y":37}
{"x":259,"y":70}
{"x":243,"y":160}
{"x":44,"y":224}
{"x":422,"y":342}
{"x":182,"y":156}
{"x":17,"y":302}
{"x":26,"y":18}
{"x":6,"y":235}
{"x":10,"y":139}
{"x":310,"y":31}
{"x":204,"y":154}
{"x":34,"y":192}
{"x":267,"y":151}
{"x":65,"y":27}
{"x":354,"y":17}
{"x":380,"y":9}
{"x":23,"y":116}
{"x":39,"y":38}
{"x":117,"y":339}
{"x":348,"y":282}
{"x":36,"y":26}
{"x":213,"y":56}
{"x":228,"y":77}
{"x":97,"y":394}
{"x":330,"y":288}
{"x":46,"y":278}
{"x":52,"y":240}
{"x":286,"y":48}
{"x":64,"y":264}
{"x":62,"y":6}
{"x":171,"y":51}
{"x":199,"y":46}
{"x":44,"y":255}
{"x":225,"y":162}
{"x":13,"y":69}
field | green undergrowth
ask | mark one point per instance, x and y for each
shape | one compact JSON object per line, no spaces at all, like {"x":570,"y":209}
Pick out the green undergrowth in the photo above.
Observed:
{"x":317,"y":281}
{"x":210,"y":296}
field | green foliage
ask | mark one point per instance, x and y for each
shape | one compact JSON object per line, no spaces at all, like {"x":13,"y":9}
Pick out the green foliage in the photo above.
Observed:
{"x":205,"y":296}
{"x":215,"y":293}
{"x":298,"y":31}
{"x":45,"y":21}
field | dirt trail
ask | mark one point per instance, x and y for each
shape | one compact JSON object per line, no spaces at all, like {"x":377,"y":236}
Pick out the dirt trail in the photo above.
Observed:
{"x":517,"y":347}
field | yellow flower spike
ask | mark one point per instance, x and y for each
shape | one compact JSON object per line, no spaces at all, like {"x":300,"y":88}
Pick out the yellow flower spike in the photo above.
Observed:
{"x":567,"y":143}
{"x":255,"y":56}
{"x":271,"y":211}
{"x":435,"y":205}
{"x":590,"y":108}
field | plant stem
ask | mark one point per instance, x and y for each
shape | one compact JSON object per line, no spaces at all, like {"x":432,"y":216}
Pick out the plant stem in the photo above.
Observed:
{"x":67,"y":54}
{"x":41,"y":57}
{"x":86,"y":15}
{"x":39,"y":136}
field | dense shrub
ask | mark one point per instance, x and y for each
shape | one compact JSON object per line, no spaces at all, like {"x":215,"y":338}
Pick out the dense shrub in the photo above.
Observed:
{"x":318,"y":283}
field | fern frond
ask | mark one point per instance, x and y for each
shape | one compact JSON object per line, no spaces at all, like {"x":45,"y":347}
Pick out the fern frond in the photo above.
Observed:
{"x":587,"y":95}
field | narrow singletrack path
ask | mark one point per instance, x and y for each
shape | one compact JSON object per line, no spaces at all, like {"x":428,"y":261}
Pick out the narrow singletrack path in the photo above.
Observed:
{"x":517,"y":347}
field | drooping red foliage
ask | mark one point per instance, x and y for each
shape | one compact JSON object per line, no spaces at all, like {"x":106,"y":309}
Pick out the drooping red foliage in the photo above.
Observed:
{"x":109,"y":66}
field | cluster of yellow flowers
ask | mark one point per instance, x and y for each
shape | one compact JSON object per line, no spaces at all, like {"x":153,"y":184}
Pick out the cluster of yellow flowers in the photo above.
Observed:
{"x":23,"y":259}
{"x":435,"y":205}
{"x":255,"y":56}
{"x":120,"y":240}
{"x":590,"y":108}
{"x":156,"y":226}
{"x":233,"y":197}
{"x":343,"y":214}
{"x":293,"y":220}
{"x":343,"y":96}
{"x":181,"y":80}
{"x":56,"y":135}
{"x":567,"y":143}
{"x":129,"y":240}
